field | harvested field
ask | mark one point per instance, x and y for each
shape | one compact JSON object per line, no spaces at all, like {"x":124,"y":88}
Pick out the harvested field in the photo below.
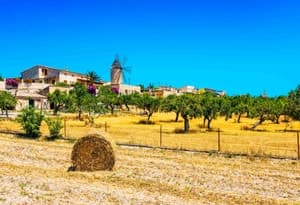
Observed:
{"x":35,"y":172}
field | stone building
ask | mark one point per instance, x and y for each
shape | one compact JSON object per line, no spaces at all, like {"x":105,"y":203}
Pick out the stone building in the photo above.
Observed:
{"x":44,"y":74}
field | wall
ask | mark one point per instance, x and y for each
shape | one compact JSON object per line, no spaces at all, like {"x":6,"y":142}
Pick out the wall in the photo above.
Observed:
{"x":2,"y":85}
{"x":128,"y":89}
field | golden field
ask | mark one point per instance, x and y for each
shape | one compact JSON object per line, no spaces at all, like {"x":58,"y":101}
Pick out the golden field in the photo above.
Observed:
{"x":34,"y":171}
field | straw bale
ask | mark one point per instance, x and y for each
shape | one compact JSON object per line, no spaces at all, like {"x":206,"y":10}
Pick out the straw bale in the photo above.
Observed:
{"x":92,"y":153}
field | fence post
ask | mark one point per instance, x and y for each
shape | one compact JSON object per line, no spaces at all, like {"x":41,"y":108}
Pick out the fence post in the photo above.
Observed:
{"x":219,"y":140}
{"x":160,"y":136}
{"x":298,"y":145}
{"x":105,"y":126}
{"x":65,"y":127}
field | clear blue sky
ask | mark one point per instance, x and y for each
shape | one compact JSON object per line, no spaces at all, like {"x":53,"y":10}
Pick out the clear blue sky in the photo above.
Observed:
{"x":240,"y":46}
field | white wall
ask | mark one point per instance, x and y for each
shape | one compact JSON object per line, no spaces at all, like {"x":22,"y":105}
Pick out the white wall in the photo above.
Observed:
{"x":2,"y":85}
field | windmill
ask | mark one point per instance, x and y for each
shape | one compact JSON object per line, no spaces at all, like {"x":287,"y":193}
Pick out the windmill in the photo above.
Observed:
{"x":117,"y":71}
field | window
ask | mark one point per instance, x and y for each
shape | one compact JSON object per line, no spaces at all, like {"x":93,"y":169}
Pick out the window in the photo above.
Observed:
{"x":45,"y":71}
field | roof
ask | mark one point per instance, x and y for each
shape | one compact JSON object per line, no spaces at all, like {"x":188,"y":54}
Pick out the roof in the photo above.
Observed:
{"x":57,"y":69}
{"x":28,"y":94}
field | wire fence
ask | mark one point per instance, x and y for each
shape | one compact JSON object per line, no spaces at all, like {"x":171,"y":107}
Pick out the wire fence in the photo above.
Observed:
{"x":252,"y":143}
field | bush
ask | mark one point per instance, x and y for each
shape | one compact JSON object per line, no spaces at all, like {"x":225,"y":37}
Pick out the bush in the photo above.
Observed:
{"x":54,"y":126}
{"x":146,"y":122}
{"x":30,"y":121}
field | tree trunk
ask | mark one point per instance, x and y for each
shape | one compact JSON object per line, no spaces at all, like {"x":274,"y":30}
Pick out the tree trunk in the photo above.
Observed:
{"x":149,"y":116}
{"x":186,"y":124}
{"x":239,"y":118}
{"x":6,"y":111}
{"x":177,"y":116}
{"x":277,"y":119}
{"x":204,"y":122}
{"x":208,"y":123}
{"x":55,"y":111}
{"x":127,"y":107}
{"x":261,"y":120}
{"x":112,"y":110}
{"x":226,"y":117}
{"x":79,"y":113}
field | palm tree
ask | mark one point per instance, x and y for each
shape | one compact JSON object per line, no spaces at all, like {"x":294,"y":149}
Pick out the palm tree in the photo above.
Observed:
{"x":92,"y":77}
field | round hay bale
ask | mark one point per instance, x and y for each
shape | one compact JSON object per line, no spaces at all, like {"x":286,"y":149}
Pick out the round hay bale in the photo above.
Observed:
{"x":92,"y":153}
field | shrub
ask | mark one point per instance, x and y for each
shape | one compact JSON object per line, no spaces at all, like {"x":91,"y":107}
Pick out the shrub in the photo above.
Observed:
{"x":146,"y":122}
{"x":30,"y":121}
{"x":54,"y":126}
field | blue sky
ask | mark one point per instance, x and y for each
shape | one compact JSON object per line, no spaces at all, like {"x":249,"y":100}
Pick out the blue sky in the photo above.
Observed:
{"x":247,"y":46}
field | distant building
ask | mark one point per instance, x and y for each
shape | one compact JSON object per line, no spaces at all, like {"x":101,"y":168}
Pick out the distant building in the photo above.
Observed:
{"x":188,"y":89}
{"x":164,"y":91}
{"x":217,"y":92}
{"x":26,"y":98}
{"x":44,"y":74}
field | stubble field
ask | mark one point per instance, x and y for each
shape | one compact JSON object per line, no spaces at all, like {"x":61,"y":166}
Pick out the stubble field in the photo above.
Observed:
{"x":35,"y":171}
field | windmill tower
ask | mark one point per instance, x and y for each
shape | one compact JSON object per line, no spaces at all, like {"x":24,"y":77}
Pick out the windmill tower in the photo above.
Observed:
{"x":116,"y":75}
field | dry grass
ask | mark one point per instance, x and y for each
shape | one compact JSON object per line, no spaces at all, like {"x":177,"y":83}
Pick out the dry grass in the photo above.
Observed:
{"x":35,"y":171}
{"x":269,"y":140}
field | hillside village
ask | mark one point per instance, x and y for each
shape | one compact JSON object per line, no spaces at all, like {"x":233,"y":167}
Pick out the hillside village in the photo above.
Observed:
{"x":38,"y":81}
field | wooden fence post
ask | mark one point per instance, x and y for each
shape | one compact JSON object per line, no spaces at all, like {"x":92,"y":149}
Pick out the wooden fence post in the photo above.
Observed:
{"x":298,"y":145}
{"x":160,"y":136}
{"x":65,"y":127}
{"x":219,"y":140}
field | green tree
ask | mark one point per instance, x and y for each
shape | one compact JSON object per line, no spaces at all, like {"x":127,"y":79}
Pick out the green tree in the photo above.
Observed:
{"x":58,"y":99}
{"x":93,"y":107}
{"x":54,"y":126}
{"x":78,"y":95}
{"x":226,"y":108}
{"x":93,"y":77}
{"x":262,"y":109}
{"x":210,"y":106}
{"x":30,"y":120}
{"x":241,"y":105}
{"x":149,"y":104}
{"x":171,"y":104}
{"x":1,"y":78}
{"x":278,"y":107}
{"x":189,"y":108}
{"x":293,"y":104}
{"x":109,"y":98}
{"x":7,"y":101}
{"x":126,"y":100}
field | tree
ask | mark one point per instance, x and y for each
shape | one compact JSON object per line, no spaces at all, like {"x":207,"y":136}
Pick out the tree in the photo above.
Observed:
{"x":54,"y":127}
{"x":93,"y":77}
{"x":189,"y":108}
{"x":241,"y":105}
{"x":226,"y":108}
{"x":30,"y":120}
{"x":278,"y":107}
{"x":171,"y":104}
{"x":93,"y":106}
{"x":261,"y":108}
{"x":109,"y":98}
{"x":78,"y":95}
{"x":1,"y":78}
{"x":210,"y":106}
{"x":149,"y":104}
{"x":58,"y":99}
{"x":129,"y":99}
{"x":7,"y":101}
{"x":293,"y":104}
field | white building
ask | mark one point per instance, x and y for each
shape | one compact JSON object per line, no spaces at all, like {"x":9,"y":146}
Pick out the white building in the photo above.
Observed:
{"x":44,"y":74}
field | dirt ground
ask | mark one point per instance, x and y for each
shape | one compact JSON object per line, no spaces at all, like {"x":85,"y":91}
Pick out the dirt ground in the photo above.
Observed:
{"x":35,"y":172}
